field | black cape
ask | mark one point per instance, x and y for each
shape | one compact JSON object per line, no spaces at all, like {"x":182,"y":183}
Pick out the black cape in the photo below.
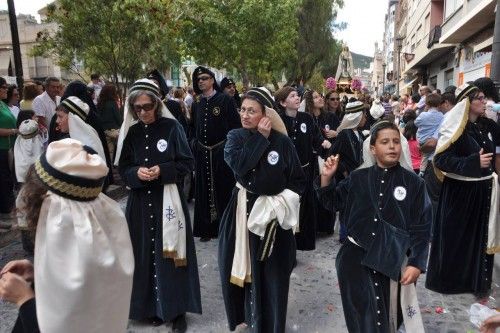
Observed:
{"x":458,"y":262}
{"x":262,"y":304}
{"x":159,"y":289}
{"x":213,"y":118}
{"x":377,"y":202}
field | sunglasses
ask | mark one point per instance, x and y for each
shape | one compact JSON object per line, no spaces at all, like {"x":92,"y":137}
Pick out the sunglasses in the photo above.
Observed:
{"x":140,"y":107}
{"x":334,"y":99}
{"x":204,"y":78}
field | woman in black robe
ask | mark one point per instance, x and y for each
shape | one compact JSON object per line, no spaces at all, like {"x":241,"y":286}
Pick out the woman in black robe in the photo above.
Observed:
{"x":265,"y":163}
{"x":460,"y":260}
{"x":307,"y":140}
{"x":155,"y":153}
{"x":387,"y":218}
{"x":327,"y":124}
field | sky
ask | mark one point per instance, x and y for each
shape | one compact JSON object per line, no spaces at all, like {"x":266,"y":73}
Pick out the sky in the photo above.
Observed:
{"x":365,"y":24}
{"x":364,"y":18}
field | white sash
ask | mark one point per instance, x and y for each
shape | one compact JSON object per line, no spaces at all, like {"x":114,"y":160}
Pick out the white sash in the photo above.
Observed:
{"x":493,"y":245}
{"x":284,"y":207}
{"x":174,"y":226}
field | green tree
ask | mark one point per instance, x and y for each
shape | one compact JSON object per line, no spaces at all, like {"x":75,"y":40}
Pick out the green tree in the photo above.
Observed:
{"x":120,"y":39}
{"x":254,"y":38}
{"x":315,"y":44}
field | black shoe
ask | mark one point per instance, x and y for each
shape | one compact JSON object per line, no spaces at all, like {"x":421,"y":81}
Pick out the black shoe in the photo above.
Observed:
{"x":179,"y":324}
{"x":205,"y":239}
{"x":155,"y":321}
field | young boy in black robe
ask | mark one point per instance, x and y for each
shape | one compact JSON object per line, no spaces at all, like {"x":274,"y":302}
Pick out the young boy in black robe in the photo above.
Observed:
{"x":388,"y":217}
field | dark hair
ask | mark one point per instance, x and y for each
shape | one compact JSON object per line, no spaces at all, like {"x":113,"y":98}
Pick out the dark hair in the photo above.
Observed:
{"x":24,"y":115}
{"x":253,"y":98}
{"x":381,"y":125}
{"x":281,"y":95}
{"x":410,"y":130}
{"x":450,"y":89}
{"x":487,"y":86}
{"x":308,"y":97}
{"x":449,"y":97}
{"x":409,"y":115}
{"x":32,"y":195}
{"x":395,"y":98}
{"x":2,"y":81}
{"x":30,"y":91}
{"x":415,"y":98}
{"x":339,"y":112}
{"x":10,"y":93}
{"x":433,"y":100}
{"x":108,"y":93}
{"x":94,"y":76}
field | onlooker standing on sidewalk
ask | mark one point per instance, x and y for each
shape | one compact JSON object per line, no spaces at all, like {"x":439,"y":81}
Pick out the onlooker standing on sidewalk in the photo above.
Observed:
{"x":45,"y":104}
{"x":110,"y":116}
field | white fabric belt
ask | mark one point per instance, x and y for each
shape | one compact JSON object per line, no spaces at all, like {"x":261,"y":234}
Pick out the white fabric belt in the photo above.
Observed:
{"x":173,"y":226}
{"x":493,"y":245}
{"x":283,"y":207}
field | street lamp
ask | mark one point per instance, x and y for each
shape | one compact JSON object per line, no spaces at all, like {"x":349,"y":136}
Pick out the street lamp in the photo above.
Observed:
{"x":399,"y":40}
{"x":383,"y":77}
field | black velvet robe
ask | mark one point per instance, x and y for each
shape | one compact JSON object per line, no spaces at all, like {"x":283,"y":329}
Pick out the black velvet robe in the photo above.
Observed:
{"x":159,"y":288}
{"x":307,"y":139}
{"x":458,"y":262}
{"x":26,"y":320}
{"x":262,"y":304}
{"x":325,"y":219}
{"x":213,"y":118}
{"x":368,"y":196}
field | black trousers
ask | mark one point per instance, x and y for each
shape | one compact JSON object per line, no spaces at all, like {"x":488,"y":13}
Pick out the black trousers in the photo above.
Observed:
{"x":6,"y":184}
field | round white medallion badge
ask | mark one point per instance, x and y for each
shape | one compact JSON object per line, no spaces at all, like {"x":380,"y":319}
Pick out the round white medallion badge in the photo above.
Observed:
{"x":161,"y":145}
{"x":400,"y":193}
{"x":303,"y":127}
{"x":327,"y":127}
{"x":273,"y":157}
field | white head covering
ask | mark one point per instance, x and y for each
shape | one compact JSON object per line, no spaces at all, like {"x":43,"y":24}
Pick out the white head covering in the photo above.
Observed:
{"x":267,"y":99}
{"x":27,"y":149}
{"x":84,"y":262}
{"x":353,"y":115}
{"x":404,"y":159}
{"x":128,"y":118}
{"x":377,"y":110}
{"x":78,"y":128}
{"x":454,"y":121}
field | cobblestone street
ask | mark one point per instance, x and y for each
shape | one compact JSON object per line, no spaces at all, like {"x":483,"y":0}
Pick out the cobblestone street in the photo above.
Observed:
{"x":314,"y":302}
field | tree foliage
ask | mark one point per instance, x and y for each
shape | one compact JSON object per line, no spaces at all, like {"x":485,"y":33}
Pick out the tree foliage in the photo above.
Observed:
{"x":254,"y":38}
{"x":118,"y":38}
{"x":315,"y":45}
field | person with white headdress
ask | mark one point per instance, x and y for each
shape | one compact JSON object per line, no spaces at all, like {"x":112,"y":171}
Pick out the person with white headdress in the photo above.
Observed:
{"x":71,"y":115}
{"x":28,"y":147}
{"x":466,"y":232}
{"x":153,"y":157}
{"x":309,"y":143}
{"x":256,"y":240}
{"x":84,"y":263}
{"x":349,"y":145}
{"x":387,"y":218}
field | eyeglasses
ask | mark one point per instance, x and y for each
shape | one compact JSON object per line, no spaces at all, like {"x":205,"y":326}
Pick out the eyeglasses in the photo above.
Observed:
{"x":140,"y":107}
{"x":334,"y":99}
{"x":204,"y":78}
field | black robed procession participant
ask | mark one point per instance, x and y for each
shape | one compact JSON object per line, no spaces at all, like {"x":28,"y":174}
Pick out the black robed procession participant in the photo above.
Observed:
{"x":349,"y":146}
{"x":387,"y":217}
{"x":154,"y":157}
{"x":256,"y":240}
{"x":214,"y":115}
{"x":308,"y":141}
{"x":228,"y":87}
{"x":466,"y":234}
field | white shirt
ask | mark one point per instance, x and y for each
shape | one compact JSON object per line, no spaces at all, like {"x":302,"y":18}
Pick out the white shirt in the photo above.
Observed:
{"x":44,"y":106}
{"x":14,"y":110}
{"x":188,"y":100}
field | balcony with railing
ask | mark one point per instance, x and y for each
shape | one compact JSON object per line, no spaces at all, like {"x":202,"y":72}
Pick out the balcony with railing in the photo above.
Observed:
{"x":434,"y":36}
